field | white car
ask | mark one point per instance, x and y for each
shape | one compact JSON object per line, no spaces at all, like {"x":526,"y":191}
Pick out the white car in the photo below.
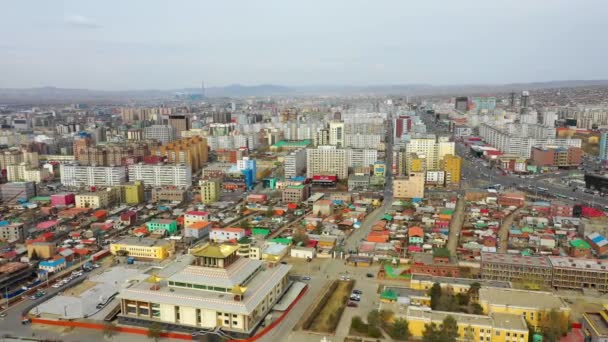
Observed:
{"x":56,"y":286}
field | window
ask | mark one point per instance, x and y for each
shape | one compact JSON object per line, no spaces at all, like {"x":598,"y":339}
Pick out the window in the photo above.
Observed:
{"x":226,"y":322}
{"x":235,"y":323}
{"x":497,"y":333}
{"x":508,"y":334}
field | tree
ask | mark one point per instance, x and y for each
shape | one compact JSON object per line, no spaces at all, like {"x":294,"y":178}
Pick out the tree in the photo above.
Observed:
{"x":553,"y":325}
{"x":476,"y":309}
{"x":356,"y":323}
{"x":109,"y":330}
{"x":154,"y":331}
{"x":435,"y":294}
{"x":400,"y":329}
{"x":300,"y":236}
{"x":34,"y":255}
{"x":473,"y":291}
{"x":462,"y":298}
{"x":449,"y":329}
{"x":373,"y":318}
{"x":386,"y":316}
{"x":431,"y":333}
{"x":469,"y":334}
{"x":374,"y":331}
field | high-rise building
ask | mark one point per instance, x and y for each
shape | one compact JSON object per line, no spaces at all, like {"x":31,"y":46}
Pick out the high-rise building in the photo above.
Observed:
{"x":222,"y":117}
{"x":80,"y":145}
{"x":161,"y":174}
{"x":336,"y":133}
{"x":604,"y":146}
{"x":191,"y":151}
{"x":525,"y":99}
{"x":327,"y":161}
{"x":452,"y":165}
{"x":432,"y":148}
{"x":180,"y":122}
{"x":461,"y":104}
{"x":295,"y":163}
{"x":210,"y":191}
{"x":163,"y":133}
{"x":13,"y":192}
{"x":361,"y":157}
{"x":80,"y":175}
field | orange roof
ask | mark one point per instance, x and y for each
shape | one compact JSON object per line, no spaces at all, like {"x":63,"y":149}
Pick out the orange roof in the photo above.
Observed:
{"x":415,"y":231}
{"x":200,"y":225}
{"x":232,"y":229}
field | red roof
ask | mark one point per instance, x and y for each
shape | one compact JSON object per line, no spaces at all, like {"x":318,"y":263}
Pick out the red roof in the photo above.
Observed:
{"x":415,"y":231}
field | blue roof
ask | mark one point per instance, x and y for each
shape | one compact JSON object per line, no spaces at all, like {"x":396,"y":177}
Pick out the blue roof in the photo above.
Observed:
{"x":598,"y":239}
{"x":52,"y":262}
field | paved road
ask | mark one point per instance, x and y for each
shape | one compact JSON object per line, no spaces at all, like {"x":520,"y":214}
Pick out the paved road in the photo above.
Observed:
{"x":456,"y":226}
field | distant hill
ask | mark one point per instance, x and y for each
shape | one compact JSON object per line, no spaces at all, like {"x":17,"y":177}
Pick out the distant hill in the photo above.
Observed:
{"x":52,"y":95}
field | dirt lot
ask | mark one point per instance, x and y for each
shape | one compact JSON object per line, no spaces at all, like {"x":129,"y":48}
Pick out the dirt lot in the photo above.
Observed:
{"x":329,"y":316}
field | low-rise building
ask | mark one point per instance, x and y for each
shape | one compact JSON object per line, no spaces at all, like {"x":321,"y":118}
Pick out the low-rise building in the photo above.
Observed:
{"x":296,"y":193}
{"x":198,"y":229}
{"x":530,"y":270}
{"x":323,"y":208}
{"x":157,"y":225}
{"x":440,"y":263}
{"x":226,"y":234}
{"x":193,"y":216}
{"x":53,"y":266}
{"x":595,"y":325}
{"x":169,"y":194}
{"x":94,"y":200}
{"x":12,"y":231}
{"x":142,"y":248}
{"x":411,"y":186}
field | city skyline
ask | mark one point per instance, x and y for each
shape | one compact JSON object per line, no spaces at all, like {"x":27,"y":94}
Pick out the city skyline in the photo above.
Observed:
{"x":127,"y":47}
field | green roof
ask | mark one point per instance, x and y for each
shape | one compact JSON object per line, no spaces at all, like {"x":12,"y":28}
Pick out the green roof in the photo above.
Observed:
{"x":578,"y":243}
{"x":300,"y":186}
{"x":292,"y":143}
{"x":388,"y":294}
{"x":283,"y":241}
{"x":388,"y":217}
{"x":40,"y":199}
{"x":527,"y":230}
{"x":260,"y":231}
{"x":447,"y":211}
{"x":441,"y":253}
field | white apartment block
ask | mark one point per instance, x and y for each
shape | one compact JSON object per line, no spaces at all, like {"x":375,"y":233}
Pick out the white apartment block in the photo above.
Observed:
{"x":362,"y":140}
{"x":586,"y":117}
{"x":161,"y":174}
{"x":336,"y":133}
{"x":23,"y":173}
{"x":512,"y":142}
{"x":295,"y":163}
{"x":431,"y":147}
{"x":327,"y":160}
{"x":361,"y":157}
{"x":77,"y":175}
{"x":163,"y":133}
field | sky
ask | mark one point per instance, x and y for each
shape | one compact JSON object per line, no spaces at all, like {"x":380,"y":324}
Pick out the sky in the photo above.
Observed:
{"x":154,"y":44}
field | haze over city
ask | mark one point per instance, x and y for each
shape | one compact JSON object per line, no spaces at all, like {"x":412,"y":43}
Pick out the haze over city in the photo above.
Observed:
{"x":118,"y":45}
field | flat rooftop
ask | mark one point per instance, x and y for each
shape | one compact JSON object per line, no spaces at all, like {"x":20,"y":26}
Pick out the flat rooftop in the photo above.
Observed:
{"x":521,"y":298}
{"x":143,"y":242}
{"x":428,"y":316}
{"x":579,"y":263}
{"x":597,"y":322}
{"x":515,"y":259}
{"x":461,"y":281}
{"x":509,"y":322}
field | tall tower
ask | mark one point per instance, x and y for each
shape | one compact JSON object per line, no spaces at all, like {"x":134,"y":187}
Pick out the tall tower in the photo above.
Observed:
{"x":512,"y":101}
{"x":525,"y":99}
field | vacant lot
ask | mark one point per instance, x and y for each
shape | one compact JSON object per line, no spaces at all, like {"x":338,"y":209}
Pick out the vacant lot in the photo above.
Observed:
{"x":331,"y":309}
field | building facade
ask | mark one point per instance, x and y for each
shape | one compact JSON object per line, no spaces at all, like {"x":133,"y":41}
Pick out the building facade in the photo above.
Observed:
{"x":161,"y":174}
{"x":411,"y":186}
{"x":327,"y":160}
{"x":77,"y":175}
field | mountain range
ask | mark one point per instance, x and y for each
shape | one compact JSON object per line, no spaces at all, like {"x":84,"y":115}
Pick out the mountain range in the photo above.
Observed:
{"x":52,"y":95}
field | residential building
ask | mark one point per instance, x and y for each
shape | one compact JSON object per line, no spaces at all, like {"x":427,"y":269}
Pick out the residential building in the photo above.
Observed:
{"x":162,"y":133}
{"x":12,"y":231}
{"x":295,"y":193}
{"x":550,"y":156}
{"x":161,"y":174}
{"x":15,"y":191}
{"x":577,"y":273}
{"x":133,"y":193}
{"x":226,"y":234}
{"x":295,"y":163}
{"x":595,"y":325}
{"x":433,"y":148}
{"x":211,"y":288}
{"x":146,"y":249}
{"x":54,"y":265}
{"x":193,"y":216}
{"x":533,"y":271}
{"x":23,"y":172}
{"x":411,"y":186}
{"x":180,"y":122}
{"x":598,"y":242}
{"x":323,"y":208}
{"x":63,"y":199}
{"x":198,"y":230}
{"x":358,"y":182}
{"x":210,"y":191}
{"x":336,"y":133}
{"x":372,"y":141}
{"x":327,"y":161}
{"x":532,"y":305}
{"x":77,"y":175}
{"x":169,"y":194}
{"x":159,"y":225}
{"x":361,"y":157}
{"x":497,"y":327}
{"x":604,"y":146}
{"x":94,"y":200}
{"x":190,"y":151}
{"x":452,"y":166}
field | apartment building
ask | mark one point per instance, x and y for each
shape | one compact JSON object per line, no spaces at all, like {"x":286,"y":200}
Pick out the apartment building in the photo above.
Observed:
{"x":433,"y":148}
{"x":210,"y":191}
{"x":189,"y":151}
{"x":23,"y":172}
{"x":296,"y":193}
{"x":373,"y":141}
{"x":181,"y":123}
{"x":15,"y":191}
{"x":327,"y":160}
{"x":408,"y":187}
{"x":161,"y":174}
{"x":168,"y":193}
{"x":162,"y":133}
{"x":93,"y":200}
{"x":451,"y":165}
{"x":551,"y":156}
{"x":295,"y":163}
{"x":531,"y":270}
{"x":336,"y":133}
{"x":12,"y":231}
{"x":79,"y":175}
{"x":146,"y":249}
{"x":361,"y":157}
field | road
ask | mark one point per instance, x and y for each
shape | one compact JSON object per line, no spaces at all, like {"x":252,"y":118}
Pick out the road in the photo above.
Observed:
{"x":503,"y":232}
{"x":456,"y":226}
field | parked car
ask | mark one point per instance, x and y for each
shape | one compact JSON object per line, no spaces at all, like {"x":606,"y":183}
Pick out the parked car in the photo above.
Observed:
{"x":352,"y":304}
{"x":369,"y":275}
{"x":306,"y":278}
{"x":357,"y":292}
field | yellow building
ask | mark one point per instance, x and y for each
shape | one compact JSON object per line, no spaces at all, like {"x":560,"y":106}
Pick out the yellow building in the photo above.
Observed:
{"x":94,"y":200}
{"x":532,"y":305}
{"x":497,"y":327}
{"x":210,"y":191}
{"x":191,"y":151}
{"x":416,"y":163}
{"x":133,"y":193}
{"x":44,"y":250}
{"x":452,"y":165}
{"x":423,"y":282}
{"x":411,"y":186}
{"x":142,"y":248}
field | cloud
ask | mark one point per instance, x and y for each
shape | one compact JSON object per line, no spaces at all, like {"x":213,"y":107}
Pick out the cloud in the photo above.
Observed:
{"x":80,"y":21}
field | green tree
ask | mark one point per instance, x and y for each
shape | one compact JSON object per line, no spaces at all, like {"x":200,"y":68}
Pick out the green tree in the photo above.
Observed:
{"x":553,"y":325}
{"x":462,"y":299}
{"x":154,"y":331}
{"x":374,"y":331}
{"x":386,"y":316}
{"x":476,"y":309}
{"x":34,"y":255}
{"x":473,"y":291}
{"x":400,"y":329}
{"x":373,"y":318}
{"x":449,"y":329}
{"x":356,"y":323}
{"x":300,"y":236}
{"x":431,"y":333}
{"x":435,"y":294}
{"x":469,"y":334}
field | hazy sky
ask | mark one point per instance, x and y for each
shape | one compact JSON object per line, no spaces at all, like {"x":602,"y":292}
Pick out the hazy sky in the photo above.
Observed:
{"x":148,"y":44}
